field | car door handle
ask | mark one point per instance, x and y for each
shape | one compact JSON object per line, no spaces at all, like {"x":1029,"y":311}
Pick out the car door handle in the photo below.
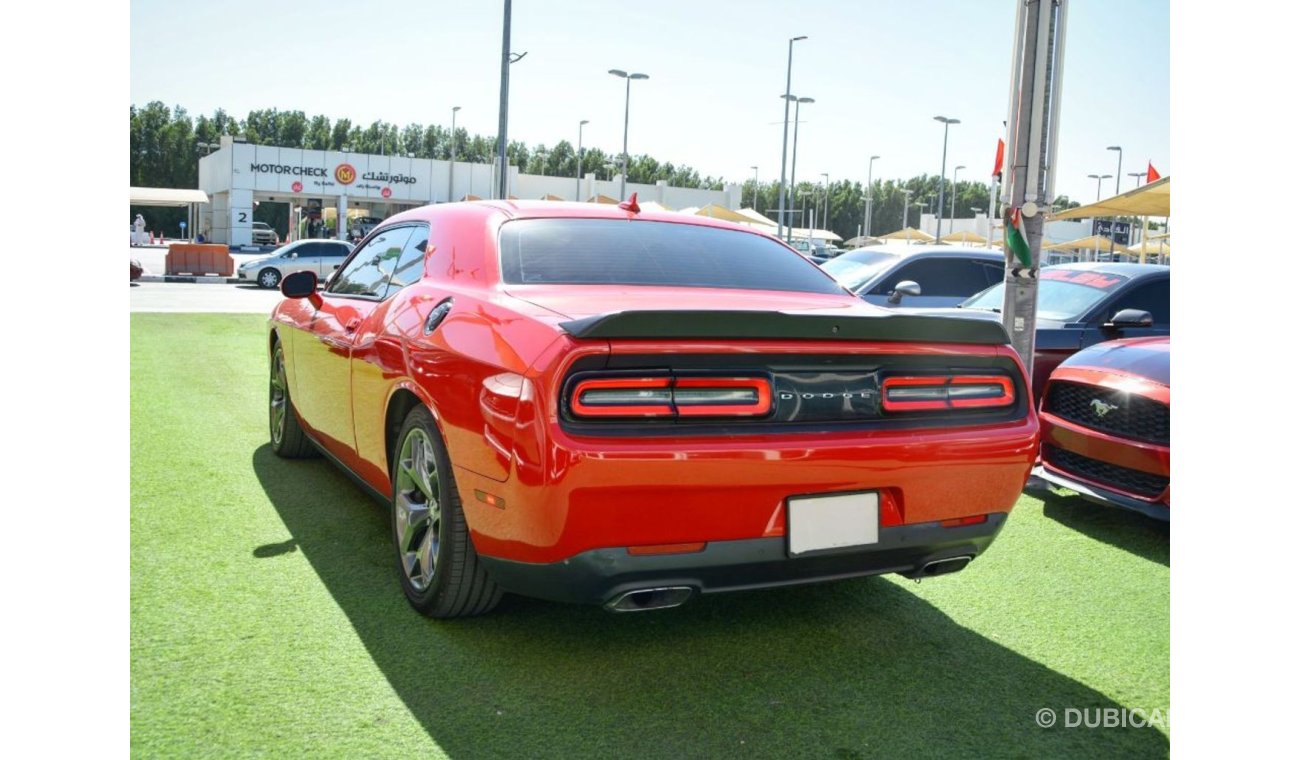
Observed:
{"x":352,"y":324}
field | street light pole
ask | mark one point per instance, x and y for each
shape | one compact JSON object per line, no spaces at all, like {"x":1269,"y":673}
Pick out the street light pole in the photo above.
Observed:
{"x":627,"y":99}
{"x":943,"y":170}
{"x":826,"y":213}
{"x":1099,"y":178}
{"x":755,"y":168}
{"x":785,"y":136}
{"x":952,"y":214}
{"x":503,"y":168}
{"x":907,"y":199}
{"x":794,"y":157}
{"x":451,"y":170}
{"x":1137,"y":178}
{"x":866,"y":217}
{"x":577,"y":188}
{"x":1119,"y":169}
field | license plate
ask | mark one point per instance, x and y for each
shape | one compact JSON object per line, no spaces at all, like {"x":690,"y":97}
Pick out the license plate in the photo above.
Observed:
{"x":819,"y":523}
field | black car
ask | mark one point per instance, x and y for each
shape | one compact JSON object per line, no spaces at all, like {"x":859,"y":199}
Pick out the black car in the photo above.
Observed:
{"x":939,"y":275}
{"x":1083,"y":304}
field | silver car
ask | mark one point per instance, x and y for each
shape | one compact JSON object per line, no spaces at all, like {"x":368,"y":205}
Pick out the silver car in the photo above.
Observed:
{"x":264,"y":234}
{"x":319,"y":256}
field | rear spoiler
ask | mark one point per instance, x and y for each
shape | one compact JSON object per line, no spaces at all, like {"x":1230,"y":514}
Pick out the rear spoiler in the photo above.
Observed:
{"x":779,"y":325}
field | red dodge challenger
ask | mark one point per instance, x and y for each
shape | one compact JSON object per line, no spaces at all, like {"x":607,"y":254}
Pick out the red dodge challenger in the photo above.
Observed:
{"x":590,"y":403}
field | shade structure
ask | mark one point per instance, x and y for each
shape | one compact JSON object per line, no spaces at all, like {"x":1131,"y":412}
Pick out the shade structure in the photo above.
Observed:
{"x":862,"y":241}
{"x":716,"y":211}
{"x":965,"y":236}
{"x":598,"y":198}
{"x":756,"y":217}
{"x":1149,"y":200}
{"x":166,"y":196}
{"x":471,"y":197}
{"x":653,"y":206}
{"x":797,"y":233}
{"x":1152,"y":246}
{"x":910,"y":234}
{"x":550,"y":197}
{"x":1092,"y":242}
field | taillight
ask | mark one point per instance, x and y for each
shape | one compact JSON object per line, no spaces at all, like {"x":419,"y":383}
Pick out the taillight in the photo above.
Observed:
{"x":919,"y":393}
{"x":672,"y":397}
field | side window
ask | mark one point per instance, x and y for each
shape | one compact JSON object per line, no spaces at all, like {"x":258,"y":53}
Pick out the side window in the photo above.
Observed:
{"x":332,"y":250}
{"x":940,"y":277}
{"x":308,"y":250}
{"x":410,"y":265}
{"x":1152,"y":297}
{"x":367,"y":272}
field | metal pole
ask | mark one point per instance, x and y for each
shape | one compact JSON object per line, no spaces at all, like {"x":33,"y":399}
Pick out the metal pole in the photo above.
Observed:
{"x":866,"y":220}
{"x":826,"y":212}
{"x":627,"y":100}
{"x":943,"y":171}
{"x":1030,"y":168}
{"x":451,"y":170}
{"x":785,"y":136}
{"x":577,"y":188}
{"x":503,"y":175}
{"x":952,"y":205}
{"x":907,"y":197}
{"x":1119,"y":168}
{"x":794,"y":160}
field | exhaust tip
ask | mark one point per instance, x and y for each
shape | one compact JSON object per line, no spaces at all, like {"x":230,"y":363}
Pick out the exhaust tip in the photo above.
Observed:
{"x":644,"y":599}
{"x":944,"y":566}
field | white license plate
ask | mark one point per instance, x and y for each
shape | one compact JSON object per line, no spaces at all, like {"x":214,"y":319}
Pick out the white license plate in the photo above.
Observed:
{"x":818,"y":523}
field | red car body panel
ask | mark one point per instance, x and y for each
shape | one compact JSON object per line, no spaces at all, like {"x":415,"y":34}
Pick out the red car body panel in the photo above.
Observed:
{"x":1107,"y":367}
{"x":533,"y":491}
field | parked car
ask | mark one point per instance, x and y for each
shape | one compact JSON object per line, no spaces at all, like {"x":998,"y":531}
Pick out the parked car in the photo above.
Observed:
{"x":583,"y":403}
{"x":1086,"y":303}
{"x":361,"y":226}
{"x":319,"y":256}
{"x":137,"y":269}
{"x":939,"y":275}
{"x":1105,"y":418}
{"x":263,"y":234}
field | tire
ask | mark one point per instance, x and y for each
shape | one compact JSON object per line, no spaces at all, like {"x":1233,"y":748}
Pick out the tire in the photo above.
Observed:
{"x":439,"y":570}
{"x":287,"y":437}
{"x":268,"y":278}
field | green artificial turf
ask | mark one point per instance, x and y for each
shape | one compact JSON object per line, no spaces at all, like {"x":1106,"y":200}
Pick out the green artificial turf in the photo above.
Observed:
{"x":266,"y":620}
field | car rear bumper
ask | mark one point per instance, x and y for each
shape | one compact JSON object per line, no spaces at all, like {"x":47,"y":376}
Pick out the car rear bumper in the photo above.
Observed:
{"x":602,"y":576}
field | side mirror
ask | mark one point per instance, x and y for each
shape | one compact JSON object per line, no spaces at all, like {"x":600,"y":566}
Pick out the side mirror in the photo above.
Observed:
{"x":1131,"y":318}
{"x":904,"y":288}
{"x":301,"y":285}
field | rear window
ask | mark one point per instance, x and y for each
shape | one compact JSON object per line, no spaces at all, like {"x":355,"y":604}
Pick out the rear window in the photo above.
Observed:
{"x":617,"y":252}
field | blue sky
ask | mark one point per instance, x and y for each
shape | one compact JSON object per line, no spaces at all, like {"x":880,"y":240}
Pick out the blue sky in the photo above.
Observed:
{"x":879,"y":71}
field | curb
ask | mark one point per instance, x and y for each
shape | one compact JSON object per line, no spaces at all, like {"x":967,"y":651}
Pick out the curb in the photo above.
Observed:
{"x":204,"y":279}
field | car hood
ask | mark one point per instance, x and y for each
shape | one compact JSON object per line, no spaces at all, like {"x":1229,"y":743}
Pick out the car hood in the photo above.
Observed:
{"x":259,"y":260}
{"x":649,"y":312}
{"x":1141,"y":357}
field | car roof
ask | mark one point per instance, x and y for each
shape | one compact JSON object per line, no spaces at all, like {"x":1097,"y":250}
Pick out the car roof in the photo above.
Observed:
{"x":1114,"y":267}
{"x":562,"y":210}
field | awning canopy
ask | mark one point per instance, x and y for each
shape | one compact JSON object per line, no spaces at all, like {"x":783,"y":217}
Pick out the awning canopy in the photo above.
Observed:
{"x":716,"y":211}
{"x":756,"y":217}
{"x":1152,"y":245}
{"x":1092,"y":242}
{"x":910,"y":234}
{"x":550,"y":197}
{"x":965,"y":236}
{"x":861,"y":241}
{"x":803,"y":232}
{"x":1149,"y":200}
{"x":598,"y":198}
{"x":166,"y":196}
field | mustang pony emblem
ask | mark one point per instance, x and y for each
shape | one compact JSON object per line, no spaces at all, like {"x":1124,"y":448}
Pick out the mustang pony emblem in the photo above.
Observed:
{"x":1101,"y":408}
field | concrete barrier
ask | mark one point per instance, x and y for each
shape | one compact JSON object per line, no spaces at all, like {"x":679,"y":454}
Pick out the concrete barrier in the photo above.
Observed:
{"x":199,"y":259}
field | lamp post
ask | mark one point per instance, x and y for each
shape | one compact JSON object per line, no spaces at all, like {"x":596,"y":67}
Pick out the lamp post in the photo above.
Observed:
{"x":1099,"y":178}
{"x":866,"y":215}
{"x":794,"y":154}
{"x":907,"y":200}
{"x":943,"y":170}
{"x":785,"y":136}
{"x":952,"y":205}
{"x":627,"y":99}
{"x":1119,"y":168}
{"x":451,"y":170}
{"x":755,"y":168}
{"x":826,"y":213}
{"x":542,"y":154}
{"x":1137,"y":178}
{"x":577,"y":188}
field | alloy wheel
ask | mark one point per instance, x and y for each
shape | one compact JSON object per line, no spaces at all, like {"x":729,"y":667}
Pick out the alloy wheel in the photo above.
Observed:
{"x":279,"y":396}
{"x":418,"y":516}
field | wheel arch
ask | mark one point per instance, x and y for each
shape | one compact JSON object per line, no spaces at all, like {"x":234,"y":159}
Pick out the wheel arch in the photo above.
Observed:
{"x":404,"y":397}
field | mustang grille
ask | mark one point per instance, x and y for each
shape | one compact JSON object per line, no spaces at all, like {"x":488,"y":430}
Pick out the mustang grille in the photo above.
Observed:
{"x":1105,"y":473}
{"x":1124,"y":414}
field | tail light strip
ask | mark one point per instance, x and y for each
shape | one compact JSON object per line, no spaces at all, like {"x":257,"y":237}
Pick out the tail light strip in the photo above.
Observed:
{"x":672,"y":397}
{"x":940,"y":392}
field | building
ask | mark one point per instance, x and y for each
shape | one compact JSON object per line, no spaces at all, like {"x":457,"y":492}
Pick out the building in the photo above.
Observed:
{"x":239,"y":175}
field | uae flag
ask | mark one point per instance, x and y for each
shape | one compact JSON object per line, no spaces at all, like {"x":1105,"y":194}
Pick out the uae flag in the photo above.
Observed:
{"x":1016,"y":240}
{"x":1152,"y":174}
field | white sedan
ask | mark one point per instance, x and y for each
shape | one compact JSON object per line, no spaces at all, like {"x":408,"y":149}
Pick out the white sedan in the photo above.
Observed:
{"x":319,"y":256}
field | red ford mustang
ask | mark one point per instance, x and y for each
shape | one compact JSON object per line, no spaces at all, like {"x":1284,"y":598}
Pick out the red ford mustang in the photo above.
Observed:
{"x":1106,"y":425}
{"x":588,"y":403}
